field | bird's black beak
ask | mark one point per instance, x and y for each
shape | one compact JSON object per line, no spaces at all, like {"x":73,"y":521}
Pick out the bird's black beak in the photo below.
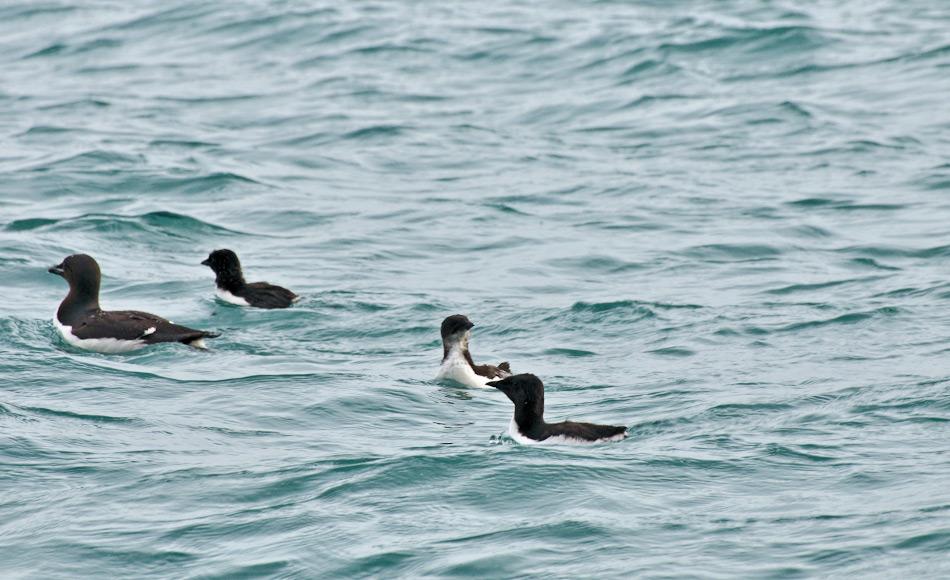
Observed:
{"x":469,"y":325}
{"x":501,"y":385}
{"x":58,"y":270}
{"x":207,"y":262}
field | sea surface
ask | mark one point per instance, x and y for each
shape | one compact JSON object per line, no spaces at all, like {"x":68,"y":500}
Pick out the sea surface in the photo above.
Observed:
{"x":725,"y":224}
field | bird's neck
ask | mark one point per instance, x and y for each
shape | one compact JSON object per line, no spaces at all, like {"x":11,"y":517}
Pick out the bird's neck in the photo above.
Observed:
{"x":458,"y":345}
{"x":230,"y":280}
{"x":78,"y":303}
{"x":530,"y":417}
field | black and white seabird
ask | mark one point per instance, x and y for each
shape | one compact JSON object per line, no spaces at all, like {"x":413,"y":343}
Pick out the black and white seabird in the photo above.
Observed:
{"x":83,"y":324}
{"x":457,"y":363}
{"x":527,"y":426}
{"x":232,"y":288}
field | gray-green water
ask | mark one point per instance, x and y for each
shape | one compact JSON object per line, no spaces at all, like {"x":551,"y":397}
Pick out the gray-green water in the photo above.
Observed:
{"x":724,"y":224}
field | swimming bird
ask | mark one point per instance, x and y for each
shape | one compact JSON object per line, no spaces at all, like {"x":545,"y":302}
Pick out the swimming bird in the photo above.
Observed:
{"x":457,"y":363}
{"x":83,"y":324}
{"x":232,"y":288}
{"x":527,"y":425}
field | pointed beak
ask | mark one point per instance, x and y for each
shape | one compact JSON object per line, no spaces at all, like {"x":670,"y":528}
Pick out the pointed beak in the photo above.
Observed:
{"x":470,"y":325}
{"x":58,"y":270}
{"x":206,"y":262}
{"x":500,"y":385}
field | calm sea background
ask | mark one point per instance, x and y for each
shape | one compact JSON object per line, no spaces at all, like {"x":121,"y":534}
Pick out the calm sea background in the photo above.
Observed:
{"x":725,"y":224}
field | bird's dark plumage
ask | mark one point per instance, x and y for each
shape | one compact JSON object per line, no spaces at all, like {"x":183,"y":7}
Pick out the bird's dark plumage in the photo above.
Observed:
{"x":526,"y":391}
{"x":133,"y":325}
{"x":229,"y":279}
{"x":80,"y":312}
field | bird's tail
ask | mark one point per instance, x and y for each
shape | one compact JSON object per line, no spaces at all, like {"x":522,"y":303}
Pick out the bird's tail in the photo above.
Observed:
{"x":198,"y":341}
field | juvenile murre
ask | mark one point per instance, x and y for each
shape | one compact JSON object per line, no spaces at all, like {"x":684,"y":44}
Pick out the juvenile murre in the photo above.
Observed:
{"x":527,"y":425}
{"x":83,"y":324}
{"x":457,"y":363}
{"x":231,"y":287}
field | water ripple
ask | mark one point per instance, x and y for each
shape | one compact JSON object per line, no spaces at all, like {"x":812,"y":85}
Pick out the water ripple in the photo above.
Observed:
{"x":721,"y":226}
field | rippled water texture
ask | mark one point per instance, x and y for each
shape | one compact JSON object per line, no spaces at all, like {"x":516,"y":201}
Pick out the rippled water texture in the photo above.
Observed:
{"x":725,"y":224}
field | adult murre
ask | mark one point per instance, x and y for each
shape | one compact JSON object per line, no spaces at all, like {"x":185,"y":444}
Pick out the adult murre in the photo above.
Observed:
{"x":231,"y":287}
{"x":85,"y":325}
{"x":457,"y":363}
{"x":527,"y":425}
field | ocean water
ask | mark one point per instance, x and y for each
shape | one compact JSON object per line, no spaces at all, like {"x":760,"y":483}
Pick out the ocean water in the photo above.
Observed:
{"x":725,"y":224}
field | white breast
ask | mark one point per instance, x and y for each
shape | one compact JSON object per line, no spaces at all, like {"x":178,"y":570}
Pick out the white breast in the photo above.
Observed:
{"x":456,"y":368}
{"x":230,"y":298}
{"x":103,"y":345}
{"x":515,"y":434}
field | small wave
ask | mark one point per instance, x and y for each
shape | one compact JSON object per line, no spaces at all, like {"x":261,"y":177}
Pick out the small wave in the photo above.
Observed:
{"x":182,"y":143}
{"x":634,"y":305}
{"x":82,"y":416}
{"x":15,"y":12}
{"x":211,"y":100}
{"x":159,"y":21}
{"x":29,"y":224}
{"x":559,"y":529}
{"x":8,"y":410}
{"x":42,"y":130}
{"x":73,"y":104}
{"x":932,"y":542}
{"x":739,"y":410}
{"x":911,"y":291}
{"x":257,"y":21}
{"x":758,"y":41}
{"x":274,"y":569}
{"x":603,"y":264}
{"x":80,"y":48}
{"x":164,"y":222}
{"x":937,"y":181}
{"x":734,"y":252}
{"x":787,"y":452}
{"x":505,"y":208}
{"x":839,"y":205}
{"x":810,"y":231}
{"x":626,"y":310}
{"x":799,"y":288}
{"x":634,"y":225}
{"x":655,"y":67}
{"x":844,"y":319}
{"x":871,"y":263}
{"x":896,"y":252}
{"x":127,"y":69}
{"x":674,"y":351}
{"x":387,"y":48}
{"x":93,"y":161}
{"x":375,"y":132}
{"x":569,"y":352}
{"x":49,"y":50}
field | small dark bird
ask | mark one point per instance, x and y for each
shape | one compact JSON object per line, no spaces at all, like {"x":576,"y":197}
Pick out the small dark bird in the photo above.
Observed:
{"x":527,"y":426}
{"x":83,"y":324}
{"x":457,"y":364}
{"x":232,"y":288}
